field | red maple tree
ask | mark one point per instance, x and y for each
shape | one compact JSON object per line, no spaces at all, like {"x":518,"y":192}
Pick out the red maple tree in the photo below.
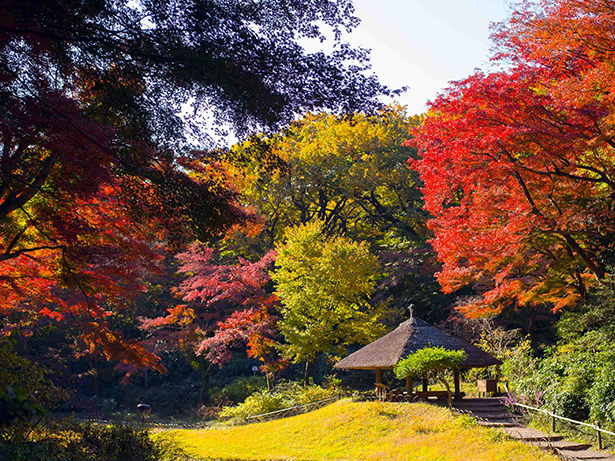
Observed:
{"x":518,"y":164}
{"x":237,"y":294}
{"x":94,"y":167}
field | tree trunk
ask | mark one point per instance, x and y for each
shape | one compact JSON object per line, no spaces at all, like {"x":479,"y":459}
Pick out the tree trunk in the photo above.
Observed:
{"x":448,"y":390}
{"x":94,"y":374}
{"x":269,"y":377}
{"x":409,"y":385}
{"x":596,"y":268}
{"x":457,"y":382}
{"x":204,"y":388}
{"x":306,"y":376}
{"x":530,"y":326}
{"x":23,"y":344}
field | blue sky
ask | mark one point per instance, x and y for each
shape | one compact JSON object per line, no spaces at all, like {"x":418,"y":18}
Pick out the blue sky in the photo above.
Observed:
{"x":424,"y":44}
{"x":421,"y":44}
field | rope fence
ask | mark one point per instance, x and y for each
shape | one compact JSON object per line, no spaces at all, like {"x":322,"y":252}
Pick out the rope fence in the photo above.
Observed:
{"x":284,"y":412}
{"x":554,"y":417}
{"x":147,"y":423}
{"x":294,"y":410}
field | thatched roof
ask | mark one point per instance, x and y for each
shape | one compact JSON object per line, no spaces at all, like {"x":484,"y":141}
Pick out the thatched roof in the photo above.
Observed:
{"x":407,"y":338}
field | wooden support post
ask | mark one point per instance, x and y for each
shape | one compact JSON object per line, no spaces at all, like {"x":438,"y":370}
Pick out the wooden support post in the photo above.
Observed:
{"x":378,"y":376}
{"x":409,"y":384}
{"x":552,"y":423}
{"x":425,"y":385}
{"x":599,"y":437}
{"x":457,"y":383}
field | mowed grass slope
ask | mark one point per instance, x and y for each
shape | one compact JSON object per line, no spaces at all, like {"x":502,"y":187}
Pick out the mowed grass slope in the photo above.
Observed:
{"x":362,"y":431}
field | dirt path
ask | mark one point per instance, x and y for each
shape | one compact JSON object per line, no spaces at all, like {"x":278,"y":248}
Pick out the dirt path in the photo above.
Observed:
{"x":491,"y":412}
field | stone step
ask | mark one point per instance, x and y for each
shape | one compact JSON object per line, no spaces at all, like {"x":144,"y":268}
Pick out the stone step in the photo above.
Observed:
{"x":527,"y":434}
{"x":480,"y":410}
{"x":480,"y":400}
{"x":486,"y":414}
{"x":481,"y":407}
{"x":490,"y":410}
{"x":483,"y":402}
{"x":498,"y":424}
{"x":492,"y":417}
{"x":586,"y":455}
{"x":478,"y":406}
{"x":564,"y":445}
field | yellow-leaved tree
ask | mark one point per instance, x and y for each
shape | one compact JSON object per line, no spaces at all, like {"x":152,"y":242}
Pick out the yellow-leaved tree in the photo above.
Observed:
{"x":324,"y":285}
{"x":349,"y":172}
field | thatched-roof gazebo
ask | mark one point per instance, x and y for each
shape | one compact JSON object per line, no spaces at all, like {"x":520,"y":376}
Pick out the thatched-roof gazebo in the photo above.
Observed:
{"x":406,"y":339}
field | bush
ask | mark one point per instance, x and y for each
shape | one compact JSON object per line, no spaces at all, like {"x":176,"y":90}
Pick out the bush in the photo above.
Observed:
{"x":259,"y":403}
{"x":240,"y":389}
{"x":520,"y":369}
{"x":283,"y":396}
{"x":431,"y":363}
{"x":16,"y":406}
{"x":88,"y":442}
{"x":602,"y":398}
{"x":570,"y":404}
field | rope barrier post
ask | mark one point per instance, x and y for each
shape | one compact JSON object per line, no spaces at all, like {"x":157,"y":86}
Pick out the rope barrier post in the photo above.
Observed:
{"x":552,"y":423}
{"x":599,"y":436}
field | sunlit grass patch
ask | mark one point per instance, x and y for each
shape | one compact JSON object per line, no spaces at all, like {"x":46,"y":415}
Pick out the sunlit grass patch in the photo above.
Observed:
{"x":361,"y":431}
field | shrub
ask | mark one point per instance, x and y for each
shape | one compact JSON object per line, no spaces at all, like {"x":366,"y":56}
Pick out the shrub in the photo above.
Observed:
{"x":431,"y":363}
{"x":240,"y":389}
{"x":259,"y":403}
{"x":283,"y":396}
{"x":602,"y":397}
{"x":88,"y":442}
{"x":16,"y":406}
{"x":520,"y":368}
{"x":570,"y":404}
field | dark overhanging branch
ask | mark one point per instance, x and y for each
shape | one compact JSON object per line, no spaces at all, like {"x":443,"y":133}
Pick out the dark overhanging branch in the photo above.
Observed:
{"x":597,"y":269}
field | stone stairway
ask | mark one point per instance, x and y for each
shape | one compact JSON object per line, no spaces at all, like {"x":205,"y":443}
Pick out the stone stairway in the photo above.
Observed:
{"x":491,"y":412}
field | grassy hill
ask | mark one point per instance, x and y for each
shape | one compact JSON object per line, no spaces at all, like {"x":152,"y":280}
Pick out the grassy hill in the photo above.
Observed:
{"x":362,"y":431}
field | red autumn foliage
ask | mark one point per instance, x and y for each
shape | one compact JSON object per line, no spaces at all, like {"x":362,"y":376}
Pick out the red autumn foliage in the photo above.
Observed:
{"x":238,"y":288}
{"x":518,"y":164}
{"x":208,"y":282}
{"x":78,"y":274}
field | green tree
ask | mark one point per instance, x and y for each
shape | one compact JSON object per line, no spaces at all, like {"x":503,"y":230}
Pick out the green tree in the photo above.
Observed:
{"x":324,"y":285}
{"x":349,"y":172}
{"x":431,"y":363}
{"x":352,"y":174}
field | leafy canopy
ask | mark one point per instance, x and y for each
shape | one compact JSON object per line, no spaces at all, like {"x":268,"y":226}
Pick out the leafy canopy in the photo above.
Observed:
{"x":518,"y":164}
{"x":430,"y":363}
{"x":324,"y":285}
{"x":349,"y":172}
{"x":95,"y":166}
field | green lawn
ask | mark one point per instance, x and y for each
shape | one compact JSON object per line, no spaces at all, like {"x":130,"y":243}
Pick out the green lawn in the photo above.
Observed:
{"x":362,"y":431}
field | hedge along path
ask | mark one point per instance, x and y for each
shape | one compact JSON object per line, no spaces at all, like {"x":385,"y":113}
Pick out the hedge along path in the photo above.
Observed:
{"x":362,"y":431}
